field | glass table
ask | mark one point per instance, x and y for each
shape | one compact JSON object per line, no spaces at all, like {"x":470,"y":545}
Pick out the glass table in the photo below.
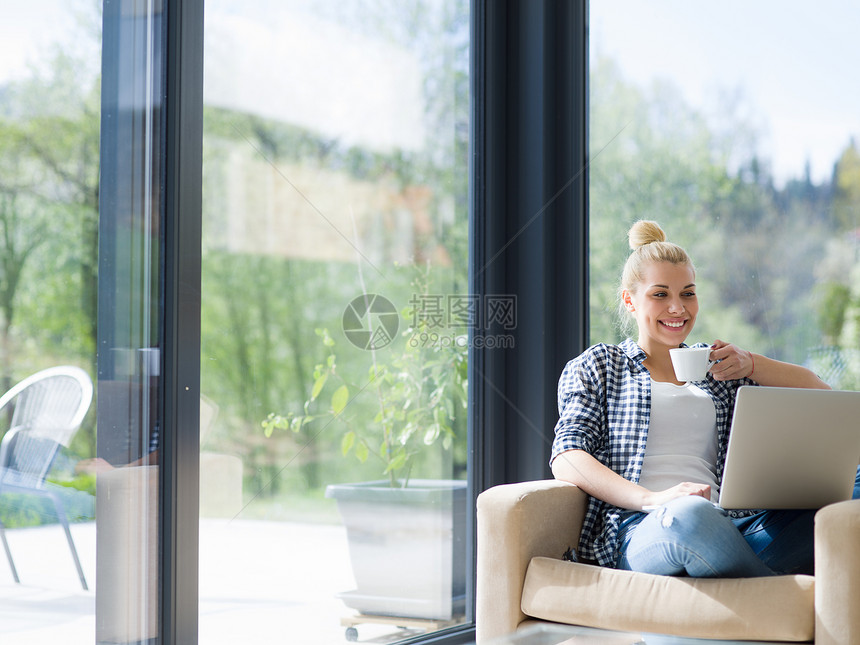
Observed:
{"x":575,"y":635}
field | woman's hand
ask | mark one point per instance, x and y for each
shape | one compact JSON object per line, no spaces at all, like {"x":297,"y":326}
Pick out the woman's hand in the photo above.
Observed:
{"x":734,"y":362}
{"x":94,"y":466}
{"x":683,"y":489}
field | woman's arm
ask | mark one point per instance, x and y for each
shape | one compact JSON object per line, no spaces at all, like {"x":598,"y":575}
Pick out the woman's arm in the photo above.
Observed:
{"x":580,"y":468}
{"x":737,"y":363}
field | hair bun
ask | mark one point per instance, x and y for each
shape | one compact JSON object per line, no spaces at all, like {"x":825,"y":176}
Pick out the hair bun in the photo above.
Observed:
{"x":645,"y":232}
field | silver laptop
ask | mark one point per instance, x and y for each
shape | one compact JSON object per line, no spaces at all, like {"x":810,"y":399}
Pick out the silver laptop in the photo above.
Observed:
{"x":791,"y":448}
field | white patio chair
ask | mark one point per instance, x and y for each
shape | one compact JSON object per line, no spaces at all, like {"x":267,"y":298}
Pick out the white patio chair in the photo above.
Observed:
{"x":49,"y":407}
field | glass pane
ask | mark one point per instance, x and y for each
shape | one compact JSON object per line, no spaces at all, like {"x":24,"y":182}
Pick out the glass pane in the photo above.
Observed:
{"x":49,"y":200}
{"x":335,"y":319}
{"x":708,"y":118}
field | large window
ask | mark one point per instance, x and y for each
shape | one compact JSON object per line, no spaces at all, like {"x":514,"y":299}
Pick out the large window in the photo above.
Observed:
{"x":336,"y":320}
{"x":711,"y":120}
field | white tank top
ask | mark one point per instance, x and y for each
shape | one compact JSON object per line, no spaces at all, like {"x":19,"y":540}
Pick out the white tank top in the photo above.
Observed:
{"x":682,"y":438}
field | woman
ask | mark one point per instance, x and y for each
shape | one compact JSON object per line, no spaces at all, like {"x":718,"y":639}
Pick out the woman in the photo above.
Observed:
{"x":634,"y":437}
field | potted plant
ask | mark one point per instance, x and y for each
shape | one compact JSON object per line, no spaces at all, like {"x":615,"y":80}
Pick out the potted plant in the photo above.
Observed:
{"x":406,"y":535}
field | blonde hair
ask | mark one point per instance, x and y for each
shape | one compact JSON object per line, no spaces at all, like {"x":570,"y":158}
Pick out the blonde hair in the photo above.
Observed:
{"x":649,"y":245}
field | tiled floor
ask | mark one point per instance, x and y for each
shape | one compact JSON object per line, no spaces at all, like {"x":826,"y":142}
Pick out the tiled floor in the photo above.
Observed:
{"x":49,"y":605}
{"x":260,"y":582}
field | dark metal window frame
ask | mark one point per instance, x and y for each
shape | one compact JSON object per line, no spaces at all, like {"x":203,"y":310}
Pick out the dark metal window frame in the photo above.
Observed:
{"x":528,"y":222}
{"x":180,"y":395}
{"x":528,"y":232}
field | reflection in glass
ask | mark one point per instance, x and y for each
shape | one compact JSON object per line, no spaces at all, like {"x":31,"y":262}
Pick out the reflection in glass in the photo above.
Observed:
{"x":49,"y":200}
{"x":335,"y":316}
{"x":130,"y":311}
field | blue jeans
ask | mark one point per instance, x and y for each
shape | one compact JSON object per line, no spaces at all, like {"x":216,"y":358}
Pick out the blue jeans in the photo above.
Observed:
{"x":690,"y":536}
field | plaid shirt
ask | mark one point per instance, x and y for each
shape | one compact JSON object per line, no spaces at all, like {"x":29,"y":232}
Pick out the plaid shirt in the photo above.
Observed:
{"x":604,"y":403}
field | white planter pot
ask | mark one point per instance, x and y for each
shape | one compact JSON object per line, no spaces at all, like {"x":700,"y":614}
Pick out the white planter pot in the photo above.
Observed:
{"x":407,"y":547}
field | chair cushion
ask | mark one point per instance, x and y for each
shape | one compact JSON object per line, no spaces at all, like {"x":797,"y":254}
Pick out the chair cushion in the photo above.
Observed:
{"x":775,"y":608}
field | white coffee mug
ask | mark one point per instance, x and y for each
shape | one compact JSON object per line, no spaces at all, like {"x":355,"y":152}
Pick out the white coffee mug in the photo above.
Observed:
{"x":691,"y":363}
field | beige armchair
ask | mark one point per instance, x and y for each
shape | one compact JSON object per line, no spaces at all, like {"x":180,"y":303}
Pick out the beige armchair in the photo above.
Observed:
{"x":523,"y":530}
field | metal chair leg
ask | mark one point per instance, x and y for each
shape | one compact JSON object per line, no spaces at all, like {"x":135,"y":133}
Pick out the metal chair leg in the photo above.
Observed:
{"x":75,"y":556}
{"x":61,"y":515}
{"x":8,"y":553}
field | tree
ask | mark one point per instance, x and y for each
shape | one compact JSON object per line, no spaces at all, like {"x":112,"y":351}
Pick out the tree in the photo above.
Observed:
{"x":846,"y":185}
{"x":49,"y":147}
{"x":22,"y":231}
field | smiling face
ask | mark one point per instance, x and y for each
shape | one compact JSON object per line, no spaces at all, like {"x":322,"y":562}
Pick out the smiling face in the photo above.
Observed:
{"x":664,"y":305}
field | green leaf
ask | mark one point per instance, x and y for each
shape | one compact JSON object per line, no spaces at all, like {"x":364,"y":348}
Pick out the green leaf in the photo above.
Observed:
{"x":397,"y":462}
{"x":347,"y":443}
{"x":431,"y":435}
{"x":299,"y":421}
{"x":339,"y":399}
{"x":274,"y":421}
{"x":319,"y":384}
{"x":361,"y":451}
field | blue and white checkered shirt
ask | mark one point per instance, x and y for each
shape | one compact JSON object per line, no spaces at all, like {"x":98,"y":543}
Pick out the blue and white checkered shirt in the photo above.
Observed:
{"x":604,"y":403}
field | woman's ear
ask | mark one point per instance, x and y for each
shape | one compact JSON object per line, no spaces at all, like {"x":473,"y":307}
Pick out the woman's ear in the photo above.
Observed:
{"x":627,"y":300}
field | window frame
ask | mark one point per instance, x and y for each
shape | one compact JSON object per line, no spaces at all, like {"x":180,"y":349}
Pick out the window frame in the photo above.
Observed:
{"x":180,"y":382}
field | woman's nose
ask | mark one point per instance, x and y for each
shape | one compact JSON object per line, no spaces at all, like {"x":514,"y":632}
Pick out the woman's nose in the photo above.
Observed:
{"x":676,"y":306}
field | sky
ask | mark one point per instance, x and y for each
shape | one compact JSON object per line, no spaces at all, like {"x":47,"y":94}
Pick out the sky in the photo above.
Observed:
{"x":282,"y":63}
{"x":27,"y":30}
{"x":31,"y":31}
{"x":794,"y":62}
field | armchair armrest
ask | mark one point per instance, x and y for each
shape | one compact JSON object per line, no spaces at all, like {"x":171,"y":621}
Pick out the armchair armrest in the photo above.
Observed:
{"x":517,"y":522}
{"x":837,"y":573}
